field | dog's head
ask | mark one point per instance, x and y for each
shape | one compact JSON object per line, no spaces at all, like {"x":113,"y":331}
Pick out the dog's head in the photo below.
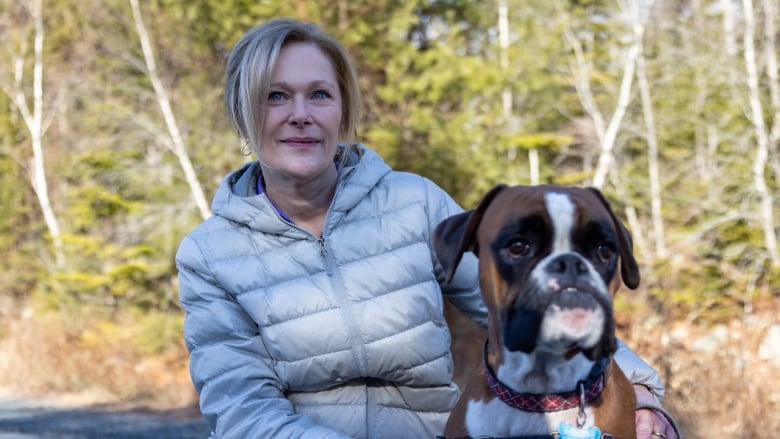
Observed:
{"x":550,"y":259}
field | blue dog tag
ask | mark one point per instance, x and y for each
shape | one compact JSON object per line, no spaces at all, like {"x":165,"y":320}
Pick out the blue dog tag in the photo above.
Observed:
{"x":567,"y":431}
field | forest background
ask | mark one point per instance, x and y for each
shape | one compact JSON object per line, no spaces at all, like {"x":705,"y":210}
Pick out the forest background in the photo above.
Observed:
{"x":113,"y":139}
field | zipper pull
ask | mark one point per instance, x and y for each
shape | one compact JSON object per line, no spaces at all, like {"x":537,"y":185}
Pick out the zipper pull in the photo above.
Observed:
{"x":325,"y":256}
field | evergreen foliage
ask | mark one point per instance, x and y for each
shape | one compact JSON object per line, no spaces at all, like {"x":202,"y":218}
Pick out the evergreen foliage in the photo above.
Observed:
{"x":433,"y":87}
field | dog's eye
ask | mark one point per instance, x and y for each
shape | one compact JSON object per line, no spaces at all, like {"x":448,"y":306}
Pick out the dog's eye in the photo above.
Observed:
{"x":605,"y":252}
{"x":518,"y":249}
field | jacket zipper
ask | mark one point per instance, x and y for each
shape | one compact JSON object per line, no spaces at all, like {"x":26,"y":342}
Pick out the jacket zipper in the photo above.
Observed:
{"x":324,"y":252}
{"x":329,"y":265}
{"x":346,"y":309}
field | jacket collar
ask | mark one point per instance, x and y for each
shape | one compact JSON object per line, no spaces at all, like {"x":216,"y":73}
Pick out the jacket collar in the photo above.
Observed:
{"x":236,"y":198}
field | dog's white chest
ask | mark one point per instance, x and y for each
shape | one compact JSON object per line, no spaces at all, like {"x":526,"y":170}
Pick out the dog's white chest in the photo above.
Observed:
{"x":495,"y":418}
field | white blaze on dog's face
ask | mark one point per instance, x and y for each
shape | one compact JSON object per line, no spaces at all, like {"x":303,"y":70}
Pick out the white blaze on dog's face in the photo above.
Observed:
{"x":556,"y":255}
{"x":550,"y":259}
{"x":575,"y":318}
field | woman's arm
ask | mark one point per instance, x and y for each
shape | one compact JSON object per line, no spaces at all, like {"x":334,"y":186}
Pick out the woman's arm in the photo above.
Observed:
{"x":639,"y":372}
{"x":650,"y":416}
{"x":462,"y":289}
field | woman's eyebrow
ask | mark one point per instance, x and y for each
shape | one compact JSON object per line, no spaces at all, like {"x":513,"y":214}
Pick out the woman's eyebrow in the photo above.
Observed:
{"x":310,"y":84}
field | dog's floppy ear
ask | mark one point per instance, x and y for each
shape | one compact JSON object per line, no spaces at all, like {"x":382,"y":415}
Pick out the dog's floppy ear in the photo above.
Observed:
{"x":458,"y":234}
{"x":629,"y":269}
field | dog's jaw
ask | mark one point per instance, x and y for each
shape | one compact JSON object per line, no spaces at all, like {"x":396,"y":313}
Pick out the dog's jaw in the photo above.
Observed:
{"x":577,"y":307}
{"x":564,"y":329}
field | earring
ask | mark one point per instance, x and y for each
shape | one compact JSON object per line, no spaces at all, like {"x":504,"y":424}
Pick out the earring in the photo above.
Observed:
{"x":246,"y":150}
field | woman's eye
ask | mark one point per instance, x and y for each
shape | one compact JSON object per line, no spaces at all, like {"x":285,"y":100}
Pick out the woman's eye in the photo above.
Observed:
{"x":320,"y":94}
{"x":275,"y":96}
{"x":518,"y":249}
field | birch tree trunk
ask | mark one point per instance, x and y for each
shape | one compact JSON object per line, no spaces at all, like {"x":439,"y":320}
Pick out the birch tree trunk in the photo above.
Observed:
{"x":33,"y":119}
{"x":641,"y":247}
{"x":606,"y":133}
{"x":706,"y":132}
{"x":762,"y":135}
{"x":729,"y":33}
{"x":507,"y":95}
{"x":176,"y":141}
{"x":771,"y":17}
{"x":652,"y":148}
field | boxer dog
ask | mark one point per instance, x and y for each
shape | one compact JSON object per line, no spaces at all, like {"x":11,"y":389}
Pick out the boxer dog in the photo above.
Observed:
{"x":550,"y":260}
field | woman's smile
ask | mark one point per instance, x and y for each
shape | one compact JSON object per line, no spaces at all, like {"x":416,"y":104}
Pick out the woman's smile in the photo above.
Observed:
{"x":301,"y":142}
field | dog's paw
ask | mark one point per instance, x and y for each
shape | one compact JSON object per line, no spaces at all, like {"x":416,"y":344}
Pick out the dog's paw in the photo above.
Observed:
{"x":567,"y":431}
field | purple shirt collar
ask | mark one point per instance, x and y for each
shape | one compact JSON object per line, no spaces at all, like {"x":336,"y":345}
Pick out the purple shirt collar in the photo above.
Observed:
{"x":261,"y":191}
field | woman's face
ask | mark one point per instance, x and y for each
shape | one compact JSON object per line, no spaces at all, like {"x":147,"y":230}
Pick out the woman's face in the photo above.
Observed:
{"x":303,"y":116}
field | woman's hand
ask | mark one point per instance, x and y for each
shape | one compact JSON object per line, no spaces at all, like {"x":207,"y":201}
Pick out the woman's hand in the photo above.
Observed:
{"x":651,"y":424}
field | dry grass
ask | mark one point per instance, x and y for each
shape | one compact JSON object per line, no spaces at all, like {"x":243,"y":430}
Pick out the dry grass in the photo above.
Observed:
{"x":49,"y":355}
{"x":717,"y":384}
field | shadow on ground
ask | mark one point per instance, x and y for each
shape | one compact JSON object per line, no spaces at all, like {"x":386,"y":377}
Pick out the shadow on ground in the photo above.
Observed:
{"x":24,"y":419}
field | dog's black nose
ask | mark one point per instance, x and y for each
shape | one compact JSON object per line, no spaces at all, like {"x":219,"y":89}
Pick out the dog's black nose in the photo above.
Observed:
{"x":568,"y":264}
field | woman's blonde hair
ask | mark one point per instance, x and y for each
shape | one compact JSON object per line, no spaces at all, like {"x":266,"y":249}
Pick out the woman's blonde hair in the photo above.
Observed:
{"x":250,"y":66}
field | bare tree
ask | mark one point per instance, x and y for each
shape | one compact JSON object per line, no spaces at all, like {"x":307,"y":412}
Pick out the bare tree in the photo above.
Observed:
{"x":606,"y":132}
{"x":652,"y":139}
{"x":771,"y":18}
{"x":706,"y":131}
{"x":762,"y":135}
{"x":35,"y":122}
{"x":175,"y":142}
{"x":507,"y":95}
{"x":729,"y":32}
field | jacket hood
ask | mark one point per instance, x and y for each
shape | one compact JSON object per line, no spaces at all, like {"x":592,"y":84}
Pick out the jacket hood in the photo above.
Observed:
{"x":237,"y":200}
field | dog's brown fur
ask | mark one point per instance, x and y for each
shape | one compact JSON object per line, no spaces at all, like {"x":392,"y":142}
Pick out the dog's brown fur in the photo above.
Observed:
{"x":474,"y":231}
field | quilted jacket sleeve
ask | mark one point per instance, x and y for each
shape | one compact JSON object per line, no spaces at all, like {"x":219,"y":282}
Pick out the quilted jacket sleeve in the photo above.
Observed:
{"x":639,"y":372}
{"x":463,"y":289}
{"x":240,"y":396}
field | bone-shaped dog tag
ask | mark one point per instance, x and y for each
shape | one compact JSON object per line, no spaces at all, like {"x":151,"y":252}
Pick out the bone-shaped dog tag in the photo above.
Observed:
{"x":567,"y":431}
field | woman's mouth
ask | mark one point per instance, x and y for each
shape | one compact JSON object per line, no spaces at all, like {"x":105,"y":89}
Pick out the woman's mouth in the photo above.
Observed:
{"x":300,"y":141}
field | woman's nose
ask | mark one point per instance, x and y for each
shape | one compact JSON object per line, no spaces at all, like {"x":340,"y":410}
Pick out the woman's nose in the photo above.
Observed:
{"x":299,"y":113}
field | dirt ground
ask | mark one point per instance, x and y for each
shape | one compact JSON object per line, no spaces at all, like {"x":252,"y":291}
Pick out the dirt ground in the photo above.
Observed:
{"x":722,"y":381}
{"x":60,"y":417}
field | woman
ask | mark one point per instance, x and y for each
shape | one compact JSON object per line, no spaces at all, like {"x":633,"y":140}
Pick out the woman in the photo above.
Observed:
{"x":313,"y":298}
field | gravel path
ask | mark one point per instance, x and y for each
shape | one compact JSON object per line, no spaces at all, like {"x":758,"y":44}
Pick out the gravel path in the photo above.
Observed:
{"x":29,"y":418}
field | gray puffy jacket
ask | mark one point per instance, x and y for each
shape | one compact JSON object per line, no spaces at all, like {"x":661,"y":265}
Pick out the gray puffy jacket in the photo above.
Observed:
{"x":343,"y":335}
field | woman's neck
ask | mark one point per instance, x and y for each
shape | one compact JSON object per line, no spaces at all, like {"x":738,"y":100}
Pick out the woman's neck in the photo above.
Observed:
{"x":306,"y":202}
